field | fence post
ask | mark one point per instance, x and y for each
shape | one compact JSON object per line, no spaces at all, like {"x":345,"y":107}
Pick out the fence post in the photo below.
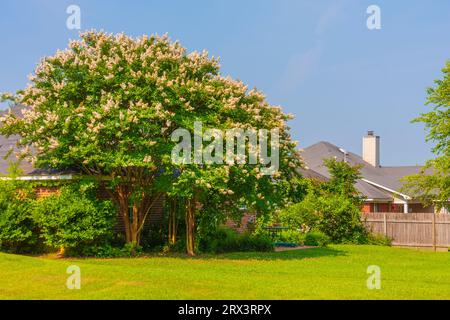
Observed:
{"x":433,"y":231}
{"x":385,"y":224}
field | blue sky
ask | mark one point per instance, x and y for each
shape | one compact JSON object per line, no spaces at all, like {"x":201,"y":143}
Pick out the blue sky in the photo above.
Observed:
{"x":315,"y":58}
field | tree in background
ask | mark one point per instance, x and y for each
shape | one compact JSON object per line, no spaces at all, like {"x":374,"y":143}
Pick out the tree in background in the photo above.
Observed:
{"x":332,"y":207}
{"x":432,"y":184}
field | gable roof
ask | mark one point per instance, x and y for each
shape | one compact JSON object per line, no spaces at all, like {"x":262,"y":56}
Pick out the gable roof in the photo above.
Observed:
{"x":7,"y":143}
{"x":376,"y":183}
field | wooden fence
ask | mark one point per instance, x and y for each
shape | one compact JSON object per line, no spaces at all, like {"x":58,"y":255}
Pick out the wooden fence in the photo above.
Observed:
{"x":420,"y":230}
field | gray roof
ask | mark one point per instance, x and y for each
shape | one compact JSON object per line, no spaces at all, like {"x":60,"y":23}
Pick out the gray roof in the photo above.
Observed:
{"x":311,"y":174}
{"x":388,"y":177}
{"x":6,"y":143}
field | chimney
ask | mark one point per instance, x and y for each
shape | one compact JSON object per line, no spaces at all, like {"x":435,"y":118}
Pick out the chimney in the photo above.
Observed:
{"x":371,"y":149}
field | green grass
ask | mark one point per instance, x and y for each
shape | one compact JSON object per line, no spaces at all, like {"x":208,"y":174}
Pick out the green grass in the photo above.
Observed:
{"x":338,"y":272}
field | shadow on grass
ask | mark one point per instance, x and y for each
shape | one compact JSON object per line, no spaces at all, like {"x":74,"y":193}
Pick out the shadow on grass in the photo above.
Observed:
{"x":300,"y":254}
{"x":283,"y":255}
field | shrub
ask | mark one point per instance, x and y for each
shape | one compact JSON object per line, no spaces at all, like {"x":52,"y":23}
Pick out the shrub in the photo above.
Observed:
{"x":74,"y":218}
{"x":337,"y":216}
{"x":154,"y":237}
{"x":332,"y":207}
{"x":227,"y":240}
{"x":340,"y":219}
{"x":18,"y":231}
{"x":291,"y":236}
{"x":301,"y":215}
{"x":106,"y":250}
{"x":316,"y":238}
{"x":249,"y":242}
{"x":379,"y":240}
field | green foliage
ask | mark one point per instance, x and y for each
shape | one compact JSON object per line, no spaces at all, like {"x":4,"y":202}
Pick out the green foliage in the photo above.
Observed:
{"x":291,"y":236}
{"x":154,"y":236}
{"x":179,"y":246}
{"x":107,"y":250}
{"x":108,"y":104}
{"x":18,"y":231}
{"x":432,"y":184}
{"x":301,"y":216}
{"x":333,"y":207}
{"x":74,"y":218}
{"x":378,"y":240}
{"x":227,"y":240}
{"x":343,"y":178}
{"x":339,"y":218}
{"x":316,"y":238}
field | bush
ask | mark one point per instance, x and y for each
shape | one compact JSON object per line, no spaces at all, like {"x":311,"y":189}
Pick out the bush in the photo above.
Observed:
{"x":337,"y":216}
{"x":227,"y":240}
{"x":340,"y":219}
{"x":301,"y":215}
{"x":74,"y":218}
{"x":379,"y":240}
{"x":332,"y":207}
{"x":249,"y":242}
{"x":291,"y":236}
{"x":18,"y":231}
{"x":106,"y":251}
{"x":179,"y":246}
{"x":316,"y":238}
{"x":154,"y":237}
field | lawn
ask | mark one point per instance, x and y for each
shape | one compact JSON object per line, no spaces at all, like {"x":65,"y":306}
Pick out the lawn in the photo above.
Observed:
{"x":338,"y":272}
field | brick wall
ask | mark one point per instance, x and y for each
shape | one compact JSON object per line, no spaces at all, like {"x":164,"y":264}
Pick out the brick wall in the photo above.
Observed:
{"x":242,"y":226}
{"x":42,"y":192}
{"x":155,"y":216}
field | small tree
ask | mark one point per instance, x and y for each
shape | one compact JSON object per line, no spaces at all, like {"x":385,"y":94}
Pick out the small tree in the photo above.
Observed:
{"x":432,"y":184}
{"x":332,"y":207}
{"x":343,"y":178}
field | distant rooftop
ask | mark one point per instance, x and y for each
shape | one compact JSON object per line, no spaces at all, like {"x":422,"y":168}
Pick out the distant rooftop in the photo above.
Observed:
{"x":388,"y":177}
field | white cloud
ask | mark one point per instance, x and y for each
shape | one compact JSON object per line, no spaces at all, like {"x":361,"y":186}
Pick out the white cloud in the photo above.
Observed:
{"x":327,"y":18}
{"x":299,"y":67}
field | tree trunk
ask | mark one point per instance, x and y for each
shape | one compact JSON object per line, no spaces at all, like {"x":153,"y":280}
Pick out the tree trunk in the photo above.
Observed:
{"x":190,"y":227}
{"x":135,"y":224}
{"x":61,"y":252}
{"x":173,"y":222}
{"x":123,"y":200}
{"x":134,"y":219}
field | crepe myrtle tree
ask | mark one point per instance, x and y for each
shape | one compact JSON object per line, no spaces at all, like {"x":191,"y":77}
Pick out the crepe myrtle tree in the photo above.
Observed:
{"x":217,"y":193}
{"x":107,"y":106}
{"x":219,"y":189}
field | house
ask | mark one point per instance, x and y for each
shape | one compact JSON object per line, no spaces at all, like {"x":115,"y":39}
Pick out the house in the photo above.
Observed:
{"x":380,"y":185}
{"x":28,"y":172}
